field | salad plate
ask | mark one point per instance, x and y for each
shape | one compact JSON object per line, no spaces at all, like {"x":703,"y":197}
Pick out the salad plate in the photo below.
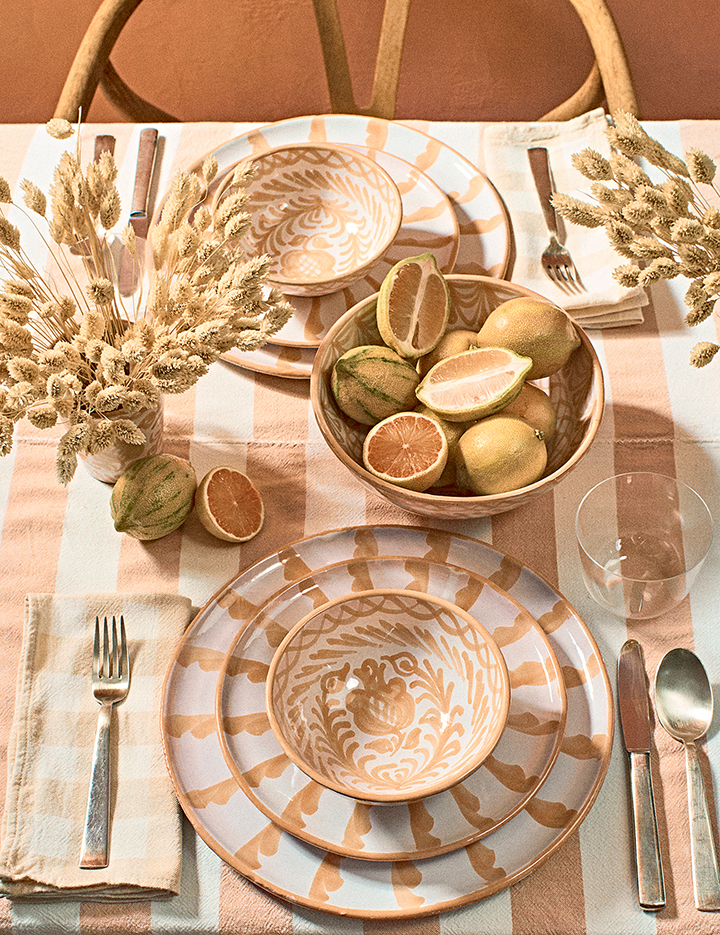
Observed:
{"x":494,"y":792}
{"x":290,"y":868}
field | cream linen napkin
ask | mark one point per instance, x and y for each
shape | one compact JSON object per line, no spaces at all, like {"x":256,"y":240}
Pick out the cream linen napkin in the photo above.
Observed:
{"x":605,"y":304}
{"x":50,"y":753}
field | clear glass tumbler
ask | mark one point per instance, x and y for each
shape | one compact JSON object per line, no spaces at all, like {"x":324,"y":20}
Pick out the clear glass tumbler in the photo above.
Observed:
{"x":642,"y":539}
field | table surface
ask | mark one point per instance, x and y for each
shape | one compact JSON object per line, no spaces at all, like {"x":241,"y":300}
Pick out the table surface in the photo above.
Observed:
{"x":661,"y":415}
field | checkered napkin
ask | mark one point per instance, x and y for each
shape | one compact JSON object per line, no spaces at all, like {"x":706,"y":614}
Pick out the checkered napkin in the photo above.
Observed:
{"x":605,"y":304}
{"x":51,"y":745}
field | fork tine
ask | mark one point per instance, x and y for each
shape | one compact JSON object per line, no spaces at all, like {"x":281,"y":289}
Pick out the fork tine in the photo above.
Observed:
{"x":105,"y":667}
{"x":115,"y":661}
{"x":96,"y":650}
{"x":123,"y":649}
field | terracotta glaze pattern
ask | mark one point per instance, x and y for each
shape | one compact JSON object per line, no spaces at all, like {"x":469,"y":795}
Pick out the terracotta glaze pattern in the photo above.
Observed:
{"x":388,"y":695}
{"x":481,"y":803}
{"x":323,"y":214}
{"x":428,"y":224}
{"x":242,"y":835}
{"x":576,"y":390}
{"x":484,"y":228}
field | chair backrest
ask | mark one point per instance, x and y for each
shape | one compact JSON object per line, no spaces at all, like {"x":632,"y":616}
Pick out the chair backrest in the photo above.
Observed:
{"x":609,"y":79}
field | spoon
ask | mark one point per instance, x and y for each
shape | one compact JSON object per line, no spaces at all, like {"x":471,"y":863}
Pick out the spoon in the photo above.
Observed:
{"x":684,"y":702}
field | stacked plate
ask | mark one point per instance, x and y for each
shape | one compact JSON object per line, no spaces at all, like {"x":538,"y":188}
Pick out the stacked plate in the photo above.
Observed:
{"x":449,"y":208}
{"x":318,"y":848}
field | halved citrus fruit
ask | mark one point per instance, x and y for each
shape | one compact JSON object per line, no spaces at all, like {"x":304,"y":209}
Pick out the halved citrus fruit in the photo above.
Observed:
{"x":413,"y":306}
{"x":474,"y":384}
{"x":229,"y":505}
{"x":407,"y":449}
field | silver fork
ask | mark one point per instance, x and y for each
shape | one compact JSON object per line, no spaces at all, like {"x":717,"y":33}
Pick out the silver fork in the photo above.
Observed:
{"x":556,"y":260}
{"x":110,"y":685}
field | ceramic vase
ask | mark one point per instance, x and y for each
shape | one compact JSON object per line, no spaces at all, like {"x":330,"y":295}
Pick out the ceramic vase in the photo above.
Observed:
{"x":109,"y":464}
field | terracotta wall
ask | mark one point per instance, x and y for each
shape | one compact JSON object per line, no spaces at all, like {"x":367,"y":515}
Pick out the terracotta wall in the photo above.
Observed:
{"x":260,"y":59}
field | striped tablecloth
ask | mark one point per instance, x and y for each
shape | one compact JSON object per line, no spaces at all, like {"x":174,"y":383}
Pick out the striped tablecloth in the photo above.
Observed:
{"x":661,"y":415}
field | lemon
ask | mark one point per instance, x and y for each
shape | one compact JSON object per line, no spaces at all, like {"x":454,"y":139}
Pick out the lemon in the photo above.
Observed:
{"x":451,"y":343}
{"x":473,"y":384}
{"x":538,"y":330}
{"x":407,"y":449}
{"x":499,"y":454}
{"x":533,"y":405}
{"x":413,"y":306}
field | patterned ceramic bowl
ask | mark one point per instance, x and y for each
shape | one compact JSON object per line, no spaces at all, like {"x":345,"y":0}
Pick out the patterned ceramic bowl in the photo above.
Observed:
{"x":388,"y":695}
{"x":323,"y":213}
{"x":576,"y":391}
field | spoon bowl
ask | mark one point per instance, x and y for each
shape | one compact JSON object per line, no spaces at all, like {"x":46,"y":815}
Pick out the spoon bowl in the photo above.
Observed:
{"x":684,"y":703}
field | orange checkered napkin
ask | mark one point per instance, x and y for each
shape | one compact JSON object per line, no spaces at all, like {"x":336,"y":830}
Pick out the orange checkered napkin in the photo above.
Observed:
{"x":50,"y":754}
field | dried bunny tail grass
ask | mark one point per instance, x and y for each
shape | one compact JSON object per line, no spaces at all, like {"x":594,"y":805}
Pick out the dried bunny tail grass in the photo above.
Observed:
{"x":100,"y":291}
{"x":592,"y":165}
{"x":5,"y":193}
{"x":701,"y":167}
{"x":59,"y":128}
{"x":703,"y":353}
{"x":33,"y":197}
{"x":210,"y":169}
{"x":578,"y":212}
{"x":9,"y":234}
{"x":110,"y":208}
{"x":627,"y":275}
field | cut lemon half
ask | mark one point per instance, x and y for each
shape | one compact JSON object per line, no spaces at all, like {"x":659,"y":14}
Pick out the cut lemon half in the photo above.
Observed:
{"x":474,"y":384}
{"x":413,"y":306}
{"x":407,"y":449}
{"x":229,"y":505}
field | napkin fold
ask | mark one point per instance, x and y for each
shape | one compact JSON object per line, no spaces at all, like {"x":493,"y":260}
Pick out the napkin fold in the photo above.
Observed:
{"x":51,"y":745}
{"x":606,"y":303}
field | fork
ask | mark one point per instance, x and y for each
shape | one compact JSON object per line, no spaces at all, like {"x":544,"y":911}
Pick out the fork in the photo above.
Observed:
{"x":110,"y":685}
{"x":556,"y":260}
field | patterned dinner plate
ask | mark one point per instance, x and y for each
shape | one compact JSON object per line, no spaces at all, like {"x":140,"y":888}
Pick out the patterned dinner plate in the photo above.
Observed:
{"x":489,"y":797}
{"x":484,"y":227}
{"x":429,"y":224}
{"x":254,"y":845}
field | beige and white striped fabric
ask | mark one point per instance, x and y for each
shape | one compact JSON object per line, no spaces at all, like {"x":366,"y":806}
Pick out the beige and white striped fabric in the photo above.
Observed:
{"x":660,"y":415}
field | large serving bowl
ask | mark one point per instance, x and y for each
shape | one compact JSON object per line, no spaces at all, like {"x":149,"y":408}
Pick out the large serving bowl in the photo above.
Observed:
{"x":576,"y":391}
{"x":324,"y":214}
{"x":388,"y":695}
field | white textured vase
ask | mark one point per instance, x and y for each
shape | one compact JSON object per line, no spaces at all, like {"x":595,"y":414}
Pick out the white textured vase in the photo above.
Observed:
{"x":108,"y":465}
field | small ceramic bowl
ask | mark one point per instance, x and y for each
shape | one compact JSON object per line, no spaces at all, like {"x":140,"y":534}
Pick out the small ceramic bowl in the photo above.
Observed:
{"x":576,"y":391}
{"x":323,"y":213}
{"x":388,"y":695}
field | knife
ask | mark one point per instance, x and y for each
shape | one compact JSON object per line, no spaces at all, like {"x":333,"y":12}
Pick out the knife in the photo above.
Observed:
{"x":139,"y":219}
{"x":635,"y":719}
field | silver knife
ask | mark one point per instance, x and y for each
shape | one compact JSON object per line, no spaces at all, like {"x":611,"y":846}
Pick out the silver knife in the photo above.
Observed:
{"x":139,"y":219}
{"x":635,"y":719}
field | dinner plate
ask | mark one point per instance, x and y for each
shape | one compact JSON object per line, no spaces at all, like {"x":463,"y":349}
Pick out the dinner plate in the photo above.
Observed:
{"x":429,"y":224}
{"x":291,"y":363}
{"x":484,"y":227}
{"x":495,"y":792}
{"x":243,"y":836}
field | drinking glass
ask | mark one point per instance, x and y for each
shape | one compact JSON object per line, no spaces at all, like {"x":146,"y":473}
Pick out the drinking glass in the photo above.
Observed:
{"x":642,"y":539}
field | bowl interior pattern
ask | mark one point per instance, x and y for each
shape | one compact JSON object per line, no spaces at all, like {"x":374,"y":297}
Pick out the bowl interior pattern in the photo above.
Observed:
{"x":576,"y":391}
{"x":388,"y":695}
{"x":322,"y":214}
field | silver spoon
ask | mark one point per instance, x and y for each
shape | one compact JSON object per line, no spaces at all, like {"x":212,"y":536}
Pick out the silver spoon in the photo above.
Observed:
{"x":684,"y":702}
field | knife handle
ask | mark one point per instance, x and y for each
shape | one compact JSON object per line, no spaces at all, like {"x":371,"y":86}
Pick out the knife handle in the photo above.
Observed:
{"x":651,"y":886}
{"x":146,"y":159}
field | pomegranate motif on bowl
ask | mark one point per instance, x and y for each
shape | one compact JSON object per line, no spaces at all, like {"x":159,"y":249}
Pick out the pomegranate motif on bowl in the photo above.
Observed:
{"x":388,"y":695}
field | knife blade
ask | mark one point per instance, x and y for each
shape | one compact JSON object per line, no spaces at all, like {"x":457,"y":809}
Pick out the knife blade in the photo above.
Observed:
{"x":634,"y":706}
{"x":139,"y":219}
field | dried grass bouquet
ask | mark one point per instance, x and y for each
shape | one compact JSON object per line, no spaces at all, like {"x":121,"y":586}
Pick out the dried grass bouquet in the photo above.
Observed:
{"x":70,"y":349}
{"x":669,"y":226}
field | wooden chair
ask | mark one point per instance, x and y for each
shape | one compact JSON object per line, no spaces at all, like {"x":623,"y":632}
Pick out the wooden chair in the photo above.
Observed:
{"x":609,"y":79}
